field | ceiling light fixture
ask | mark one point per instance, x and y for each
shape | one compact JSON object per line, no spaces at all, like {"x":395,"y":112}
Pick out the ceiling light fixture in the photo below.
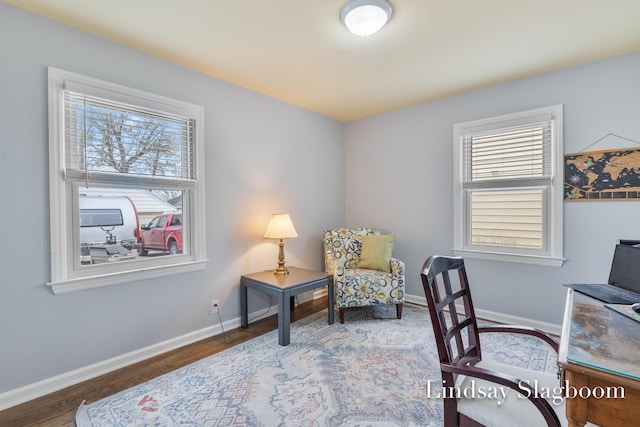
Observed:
{"x":365,"y":17}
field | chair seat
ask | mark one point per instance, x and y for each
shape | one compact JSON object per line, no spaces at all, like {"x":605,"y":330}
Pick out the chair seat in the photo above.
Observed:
{"x":516,"y":410}
{"x":358,"y":287}
{"x":365,"y":272}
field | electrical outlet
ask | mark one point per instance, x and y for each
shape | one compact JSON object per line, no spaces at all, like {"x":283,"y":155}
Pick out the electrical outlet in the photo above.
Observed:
{"x":215,"y":305}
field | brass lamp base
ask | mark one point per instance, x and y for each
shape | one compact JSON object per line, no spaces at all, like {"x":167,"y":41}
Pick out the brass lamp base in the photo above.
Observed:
{"x":281,"y":270}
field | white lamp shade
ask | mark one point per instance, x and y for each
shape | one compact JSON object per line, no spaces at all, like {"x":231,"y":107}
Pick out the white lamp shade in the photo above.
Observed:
{"x":280,"y":227}
{"x":365,"y":17}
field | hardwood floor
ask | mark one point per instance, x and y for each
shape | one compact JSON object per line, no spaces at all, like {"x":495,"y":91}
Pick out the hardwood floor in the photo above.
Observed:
{"x":58,"y":409}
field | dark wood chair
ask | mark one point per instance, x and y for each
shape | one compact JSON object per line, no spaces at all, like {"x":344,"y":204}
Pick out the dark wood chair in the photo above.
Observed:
{"x":458,"y":341}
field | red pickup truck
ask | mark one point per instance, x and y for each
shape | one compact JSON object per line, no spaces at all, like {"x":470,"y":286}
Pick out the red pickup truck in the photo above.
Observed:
{"x":164,"y":232}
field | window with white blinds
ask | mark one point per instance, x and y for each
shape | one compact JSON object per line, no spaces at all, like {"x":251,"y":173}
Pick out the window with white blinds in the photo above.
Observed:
{"x":131,"y":153}
{"x":508,"y":203}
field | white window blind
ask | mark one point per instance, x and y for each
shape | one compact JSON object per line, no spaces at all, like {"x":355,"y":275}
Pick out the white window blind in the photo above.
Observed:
{"x":512,"y":153}
{"x":107,"y":140}
{"x":508,"y":157}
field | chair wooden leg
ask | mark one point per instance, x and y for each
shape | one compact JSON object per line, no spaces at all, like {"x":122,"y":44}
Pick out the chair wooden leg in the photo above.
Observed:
{"x":341,"y":311}
{"x":451,"y":413}
{"x":399,"y":310}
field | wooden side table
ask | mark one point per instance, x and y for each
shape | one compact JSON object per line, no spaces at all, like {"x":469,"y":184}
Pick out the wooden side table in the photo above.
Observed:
{"x":284,"y":288}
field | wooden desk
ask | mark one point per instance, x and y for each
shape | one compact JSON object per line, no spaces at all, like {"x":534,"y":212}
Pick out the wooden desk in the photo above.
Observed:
{"x":284,"y":288}
{"x":600,"y":356}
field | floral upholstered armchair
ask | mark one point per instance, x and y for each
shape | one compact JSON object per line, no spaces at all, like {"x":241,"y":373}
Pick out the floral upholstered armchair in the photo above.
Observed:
{"x":364,"y":272}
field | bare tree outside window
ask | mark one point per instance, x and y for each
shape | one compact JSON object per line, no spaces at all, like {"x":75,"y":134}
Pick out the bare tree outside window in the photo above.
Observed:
{"x":126,"y":142}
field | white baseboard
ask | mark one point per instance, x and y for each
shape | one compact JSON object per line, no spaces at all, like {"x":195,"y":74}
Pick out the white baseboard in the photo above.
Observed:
{"x":550,"y":328}
{"x":319,"y":293}
{"x":53,"y":384}
{"x":494,"y":316}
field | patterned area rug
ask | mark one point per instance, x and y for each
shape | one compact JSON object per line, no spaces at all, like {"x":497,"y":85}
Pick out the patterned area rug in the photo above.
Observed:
{"x":370,"y":371}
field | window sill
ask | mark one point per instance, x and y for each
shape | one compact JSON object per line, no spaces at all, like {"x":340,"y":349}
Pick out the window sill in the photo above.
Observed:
{"x":93,"y":282}
{"x":545,"y":261}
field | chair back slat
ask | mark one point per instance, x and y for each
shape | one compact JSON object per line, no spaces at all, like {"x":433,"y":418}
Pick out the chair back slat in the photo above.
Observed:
{"x":452,"y":315}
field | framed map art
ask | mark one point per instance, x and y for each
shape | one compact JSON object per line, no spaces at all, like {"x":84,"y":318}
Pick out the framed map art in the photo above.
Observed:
{"x":604,"y":175}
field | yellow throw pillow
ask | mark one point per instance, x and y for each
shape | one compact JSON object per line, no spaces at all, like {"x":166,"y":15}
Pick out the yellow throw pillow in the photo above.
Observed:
{"x":376,"y":252}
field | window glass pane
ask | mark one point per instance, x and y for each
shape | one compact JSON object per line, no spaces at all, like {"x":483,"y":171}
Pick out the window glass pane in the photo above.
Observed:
{"x":117,"y":224}
{"x":105,"y":136}
{"x":507,"y":218}
{"x":515,"y":152}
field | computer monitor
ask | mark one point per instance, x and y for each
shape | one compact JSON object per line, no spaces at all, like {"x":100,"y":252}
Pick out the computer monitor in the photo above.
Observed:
{"x":625,"y":267}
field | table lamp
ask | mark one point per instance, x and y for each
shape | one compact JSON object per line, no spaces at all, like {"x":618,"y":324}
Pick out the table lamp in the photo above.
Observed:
{"x":280,"y":227}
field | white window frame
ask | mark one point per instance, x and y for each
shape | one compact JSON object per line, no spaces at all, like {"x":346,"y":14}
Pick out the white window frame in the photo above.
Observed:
{"x":551,"y":253}
{"x":66,"y":273}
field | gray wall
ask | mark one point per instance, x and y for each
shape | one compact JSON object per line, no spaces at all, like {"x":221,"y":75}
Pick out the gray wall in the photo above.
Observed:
{"x":401,"y":163}
{"x":262,"y":156}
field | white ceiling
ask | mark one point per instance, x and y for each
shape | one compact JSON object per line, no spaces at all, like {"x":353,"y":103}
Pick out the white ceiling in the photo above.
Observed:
{"x":299,"y":52}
